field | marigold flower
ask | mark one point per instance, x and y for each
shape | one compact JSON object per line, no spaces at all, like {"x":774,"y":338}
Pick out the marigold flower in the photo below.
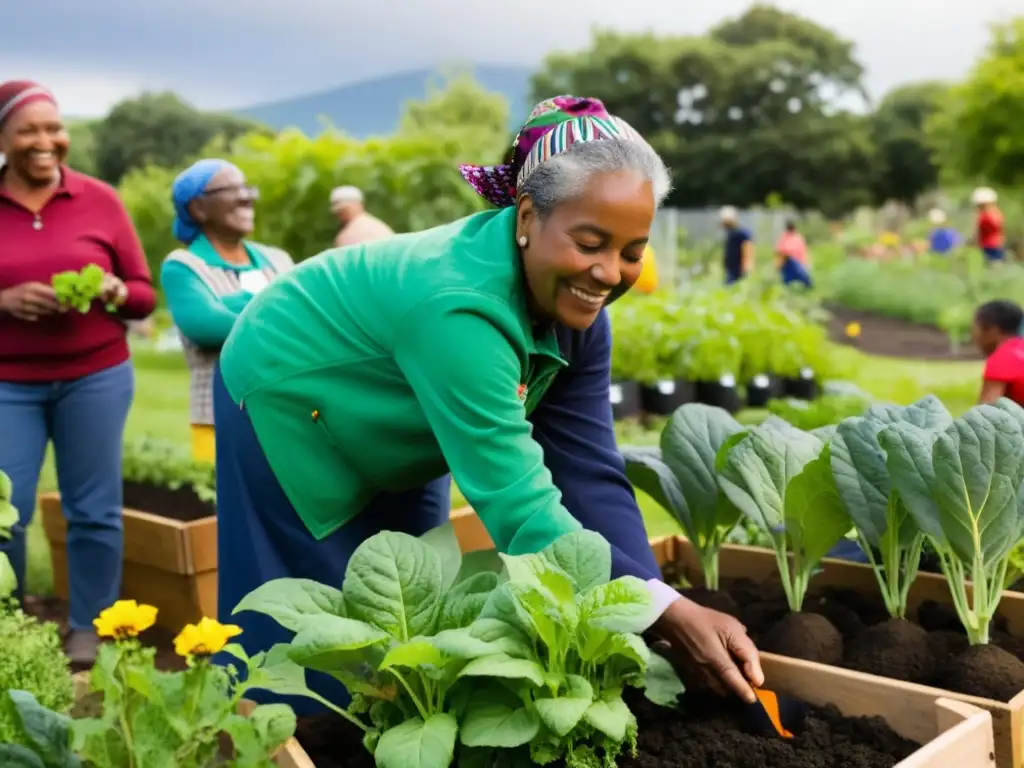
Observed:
{"x":125,"y":618}
{"x":853,"y":330}
{"x":206,"y":638}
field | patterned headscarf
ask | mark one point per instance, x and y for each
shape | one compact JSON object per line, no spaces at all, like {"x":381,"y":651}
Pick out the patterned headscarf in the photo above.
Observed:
{"x":15,"y":94}
{"x":553,"y":126}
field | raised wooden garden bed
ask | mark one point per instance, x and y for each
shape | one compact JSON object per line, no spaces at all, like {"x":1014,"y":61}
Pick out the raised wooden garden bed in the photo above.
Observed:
{"x":929,"y":591}
{"x":951,"y":727}
{"x":168,"y":563}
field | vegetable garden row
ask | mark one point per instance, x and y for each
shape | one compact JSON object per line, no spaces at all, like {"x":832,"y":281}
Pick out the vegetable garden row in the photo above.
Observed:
{"x":480,"y":659}
{"x":726,"y":347}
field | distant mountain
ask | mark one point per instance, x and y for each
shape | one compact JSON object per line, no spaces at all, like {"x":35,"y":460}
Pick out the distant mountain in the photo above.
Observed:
{"x":373,"y":107}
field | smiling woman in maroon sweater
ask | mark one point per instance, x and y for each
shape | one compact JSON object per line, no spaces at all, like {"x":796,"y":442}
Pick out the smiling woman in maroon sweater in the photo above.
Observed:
{"x":65,"y":376}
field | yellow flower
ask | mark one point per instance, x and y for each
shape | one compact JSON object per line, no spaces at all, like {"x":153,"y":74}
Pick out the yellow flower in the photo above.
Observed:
{"x":125,"y":618}
{"x":889,"y":239}
{"x":206,"y":638}
{"x":853,"y":330}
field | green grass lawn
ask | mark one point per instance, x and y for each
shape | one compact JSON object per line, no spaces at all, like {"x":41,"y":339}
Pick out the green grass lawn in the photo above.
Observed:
{"x":161,"y":410}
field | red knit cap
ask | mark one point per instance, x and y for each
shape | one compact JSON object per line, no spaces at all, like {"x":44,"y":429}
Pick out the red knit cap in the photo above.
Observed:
{"x":16,"y":94}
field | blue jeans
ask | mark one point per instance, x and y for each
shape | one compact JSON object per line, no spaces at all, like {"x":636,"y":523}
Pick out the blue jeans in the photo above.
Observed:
{"x":85,"y":420}
{"x":260,"y":537}
{"x":792,"y":271}
{"x":993,"y":254}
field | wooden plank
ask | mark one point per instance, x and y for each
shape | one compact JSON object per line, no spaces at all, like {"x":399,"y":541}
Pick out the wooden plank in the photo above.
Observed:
{"x":965,"y":739}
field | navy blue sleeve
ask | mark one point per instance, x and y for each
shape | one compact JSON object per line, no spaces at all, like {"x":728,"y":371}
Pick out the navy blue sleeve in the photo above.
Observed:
{"x":573,"y":424}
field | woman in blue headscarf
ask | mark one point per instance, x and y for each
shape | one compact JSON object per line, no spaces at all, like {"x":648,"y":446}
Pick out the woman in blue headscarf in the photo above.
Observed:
{"x":209,"y":281}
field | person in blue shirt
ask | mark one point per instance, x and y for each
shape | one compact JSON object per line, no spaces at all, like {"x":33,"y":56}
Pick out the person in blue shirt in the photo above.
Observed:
{"x":739,"y":246}
{"x":942,"y":238}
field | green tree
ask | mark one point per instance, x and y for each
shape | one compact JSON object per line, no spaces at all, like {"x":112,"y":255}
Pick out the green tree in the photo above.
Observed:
{"x":457,"y":105}
{"x":906,"y":164}
{"x":980,"y":133}
{"x":158,"y":129}
{"x":737,"y":114}
{"x":82,"y":156}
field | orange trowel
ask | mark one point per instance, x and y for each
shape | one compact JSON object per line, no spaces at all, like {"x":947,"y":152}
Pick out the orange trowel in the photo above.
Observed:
{"x":773,"y":714}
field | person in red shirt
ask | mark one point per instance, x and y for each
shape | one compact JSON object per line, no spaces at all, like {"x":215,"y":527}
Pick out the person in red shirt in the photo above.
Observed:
{"x":996,"y":332}
{"x":65,"y":375}
{"x":990,"y":224}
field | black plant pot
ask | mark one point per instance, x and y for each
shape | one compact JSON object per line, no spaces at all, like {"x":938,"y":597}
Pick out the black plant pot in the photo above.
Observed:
{"x":721,"y":393}
{"x":803,"y":388}
{"x":761,"y":389}
{"x":664,"y":397}
{"x":625,"y":399}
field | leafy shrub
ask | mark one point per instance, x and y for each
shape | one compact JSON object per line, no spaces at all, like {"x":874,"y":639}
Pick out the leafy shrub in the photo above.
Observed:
{"x":32,"y":660}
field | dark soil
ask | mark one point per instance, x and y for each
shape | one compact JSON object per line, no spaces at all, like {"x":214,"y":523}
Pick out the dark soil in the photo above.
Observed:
{"x":710,"y":732}
{"x":807,"y":636}
{"x":56,"y":610}
{"x":848,"y":629}
{"x":181,"y":504}
{"x":894,"y":337}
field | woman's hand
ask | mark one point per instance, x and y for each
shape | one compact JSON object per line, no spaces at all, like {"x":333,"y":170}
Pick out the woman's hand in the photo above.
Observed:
{"x":711,"y":647}
{"x":29,"y":301}
{"x":114,"y":291}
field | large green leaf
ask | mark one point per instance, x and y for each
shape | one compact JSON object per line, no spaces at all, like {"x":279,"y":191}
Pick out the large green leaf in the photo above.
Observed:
{"x":8,"y":579}
{"x":560,"y":715}
{"x":8,"y":513}
{"x":908,"y":451}
{"x":758,"y":468}
{"x":861,"y":475}
{"x":499,"y":725}
{"x":979,"y":467}
{"x":501,"y":665}
{"x":926,"y":413}
{"x":690,"y":444}
{"x":417,"y":653}
{"x":48,"y":732}
{"x":612,"y":717}
{"x":394,"y":582}
{"x":647,"y":471}
{"x":661,"y":683}
{"x":463,"y":603}
{"x":585,"y":556}
{"x":446,"y":543}
{"x":17,"y":756}
{"x":419,"y":744}
{"x":291,"y":601}
{"x":815,"y":518}
{"x":622,"y":605}
{"x":326,"y":643}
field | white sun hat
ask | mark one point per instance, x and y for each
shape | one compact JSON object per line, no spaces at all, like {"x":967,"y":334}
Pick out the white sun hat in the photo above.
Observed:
{"x":937,"y":216}
{"x":984,"y":196}
{"x":728,"y":214}
{"x":343,"y":195}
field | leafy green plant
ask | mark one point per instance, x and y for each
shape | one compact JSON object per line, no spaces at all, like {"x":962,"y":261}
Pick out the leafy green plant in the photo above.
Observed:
{"x":886,"y":531}
{"x":8,"y":519}
{"x":32,"y":660}
{"x":79,"y":290}
{"x":526,"y":653}
{"x":167,"y":464}
{"x":962,"y":486}
{"x":682,"y":478}
{"x":780,"y":478}
{"x":148,"y":718}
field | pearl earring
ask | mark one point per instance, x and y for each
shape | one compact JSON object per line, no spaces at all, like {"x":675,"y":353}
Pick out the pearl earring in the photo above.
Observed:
{"x":523,"y":241}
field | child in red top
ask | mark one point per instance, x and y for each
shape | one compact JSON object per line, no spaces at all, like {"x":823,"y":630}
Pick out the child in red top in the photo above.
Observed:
{"x":996,"y":332}
{"x":990,"y":224}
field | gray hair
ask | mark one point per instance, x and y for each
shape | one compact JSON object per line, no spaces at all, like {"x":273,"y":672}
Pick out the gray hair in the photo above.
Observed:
{"x":565,"y":176}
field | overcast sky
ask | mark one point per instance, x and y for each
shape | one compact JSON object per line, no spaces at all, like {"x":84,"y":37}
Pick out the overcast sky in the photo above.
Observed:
{"x":234,"y":53}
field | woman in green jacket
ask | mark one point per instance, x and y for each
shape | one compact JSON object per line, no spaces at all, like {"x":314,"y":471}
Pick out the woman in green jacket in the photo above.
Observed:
{"x":352,"y":385}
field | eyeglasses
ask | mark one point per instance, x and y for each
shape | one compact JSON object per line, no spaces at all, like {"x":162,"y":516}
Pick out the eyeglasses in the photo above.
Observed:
{"x":238,"y":190}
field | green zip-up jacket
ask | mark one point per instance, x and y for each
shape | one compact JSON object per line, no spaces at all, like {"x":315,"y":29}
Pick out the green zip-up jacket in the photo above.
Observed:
{"x":382,"y":366}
